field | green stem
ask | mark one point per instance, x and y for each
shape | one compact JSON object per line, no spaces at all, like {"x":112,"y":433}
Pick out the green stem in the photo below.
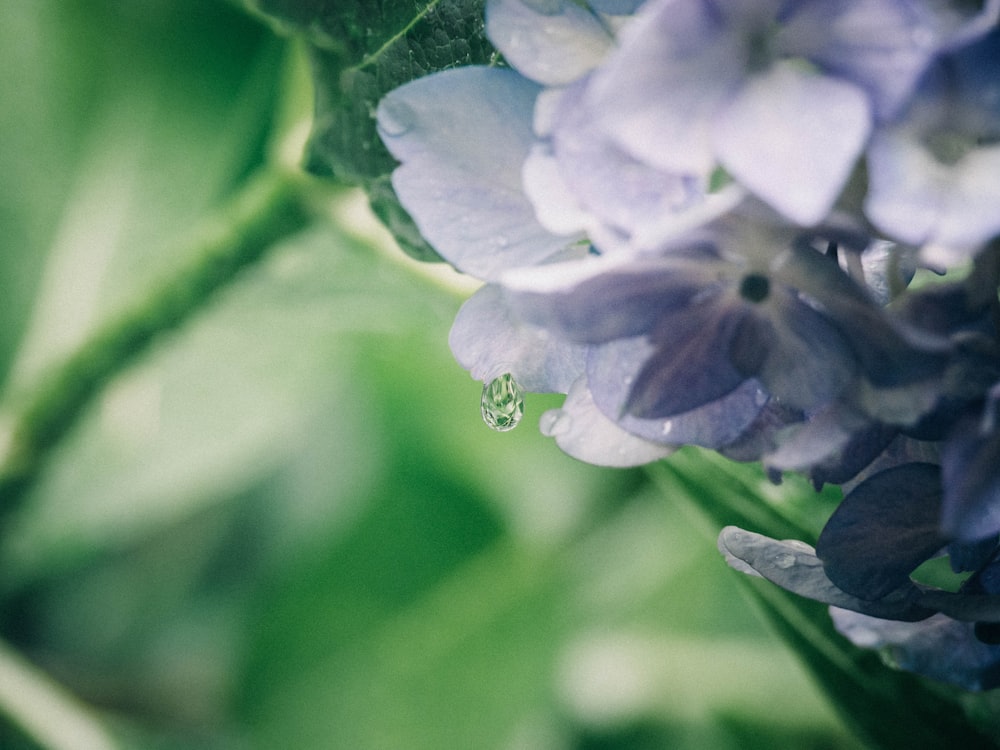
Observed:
{"x":270,"y":207}
{"x":44,"y":711}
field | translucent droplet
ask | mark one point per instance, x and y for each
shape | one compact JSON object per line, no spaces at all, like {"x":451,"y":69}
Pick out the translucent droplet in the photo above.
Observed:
{"x":784,"y":560}
{"x":396,"y":117}
{"x":502,"y":403}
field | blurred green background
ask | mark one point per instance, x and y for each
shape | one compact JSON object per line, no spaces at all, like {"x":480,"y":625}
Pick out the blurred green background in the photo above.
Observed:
{"x":286,"y":524}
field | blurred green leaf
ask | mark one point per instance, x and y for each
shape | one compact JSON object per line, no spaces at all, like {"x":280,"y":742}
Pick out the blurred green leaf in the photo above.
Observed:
{"x":890,"y":708}
{"x":360,"y":51}
{"x":122,"y":122}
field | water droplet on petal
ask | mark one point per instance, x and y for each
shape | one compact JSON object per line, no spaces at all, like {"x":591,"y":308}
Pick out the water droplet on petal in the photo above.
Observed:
{"x":555,"y":422}
{"x":502,"y":403}
{"x":395,"y":117}
{"x":668,"y":426}
{"x":784,"y":560}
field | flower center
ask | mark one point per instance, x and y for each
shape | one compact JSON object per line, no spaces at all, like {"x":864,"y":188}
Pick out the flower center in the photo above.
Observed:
{"x":755,"y":287}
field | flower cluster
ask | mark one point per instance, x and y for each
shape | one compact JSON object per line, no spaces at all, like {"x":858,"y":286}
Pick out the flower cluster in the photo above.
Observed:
{"x":765,"y":227}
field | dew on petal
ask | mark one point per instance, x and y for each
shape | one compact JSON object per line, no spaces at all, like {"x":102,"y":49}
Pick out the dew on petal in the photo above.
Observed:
{"x":502,"y":404}
{"x":555,"y":422}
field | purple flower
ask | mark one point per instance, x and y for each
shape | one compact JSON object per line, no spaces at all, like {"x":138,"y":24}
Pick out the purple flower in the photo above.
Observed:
{"x":933,"y":170}
{"x":689,"y":344}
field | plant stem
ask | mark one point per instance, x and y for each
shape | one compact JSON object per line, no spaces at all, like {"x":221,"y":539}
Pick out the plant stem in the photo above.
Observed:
{"x":268,"y":208}
{"x":45,"y":711}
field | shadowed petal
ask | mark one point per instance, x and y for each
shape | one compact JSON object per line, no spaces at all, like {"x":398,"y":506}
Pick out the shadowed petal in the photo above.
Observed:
{"x":794,"y":566}
{"x":884,"y":529}
{"x":712,"y":425}
{"x":938,"y":647}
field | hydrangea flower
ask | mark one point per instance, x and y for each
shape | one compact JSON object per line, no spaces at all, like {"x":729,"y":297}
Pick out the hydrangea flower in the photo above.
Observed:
{"x":700,"y":220}
{"x":933,"y":169}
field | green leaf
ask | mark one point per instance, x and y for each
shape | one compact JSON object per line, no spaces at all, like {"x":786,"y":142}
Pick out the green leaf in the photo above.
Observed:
{"x":889,"y":708}
{"x":360,"y":51}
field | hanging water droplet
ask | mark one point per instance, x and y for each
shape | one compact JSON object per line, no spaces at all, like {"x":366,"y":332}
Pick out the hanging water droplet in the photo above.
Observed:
{"x":502,"y":403}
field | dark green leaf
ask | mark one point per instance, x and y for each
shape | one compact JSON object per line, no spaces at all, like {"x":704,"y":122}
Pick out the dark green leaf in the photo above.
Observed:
{"x":360,"y":51}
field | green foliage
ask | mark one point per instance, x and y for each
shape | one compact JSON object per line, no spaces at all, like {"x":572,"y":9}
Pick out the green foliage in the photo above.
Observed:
{"x":359,"y":52}
{"x":263,"y":510}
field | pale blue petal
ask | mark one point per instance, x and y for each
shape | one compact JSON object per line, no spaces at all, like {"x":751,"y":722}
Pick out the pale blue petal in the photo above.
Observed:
{"x":656,"y":94}
{"x":584,"y":432}
{"x":792,"y":137}
{"x":645,"y":204}
{"x":487,"y":340}
{"x":793,"y":565}
{"x":553,"y":43}
{"x":906,"y":187}
{"x":557,"y":207}
{"x":462,"y":136}
{"x":882,"y":46}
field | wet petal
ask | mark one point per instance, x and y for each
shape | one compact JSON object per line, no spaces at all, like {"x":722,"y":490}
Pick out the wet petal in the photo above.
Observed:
{"x":552,"y":43}
{"x":600,"y":299}
{"x":462,"y":136}
{"x":794,"y":566}
{"x":582,"y":431}
{"x":487,"y":340}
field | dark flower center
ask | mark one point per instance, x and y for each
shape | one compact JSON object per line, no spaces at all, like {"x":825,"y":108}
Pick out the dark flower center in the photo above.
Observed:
{"x":755,"y":287}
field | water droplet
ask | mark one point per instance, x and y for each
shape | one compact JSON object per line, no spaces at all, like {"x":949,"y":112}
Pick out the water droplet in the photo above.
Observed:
{"x":502,"y":403}
{"x":784,"y":560}
{"x":668,"y":426}
{"x":555,"y":422}
{"x":395,"y":117}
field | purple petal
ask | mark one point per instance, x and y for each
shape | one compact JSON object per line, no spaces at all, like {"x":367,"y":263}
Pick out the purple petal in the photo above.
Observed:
{"x":487,"y":340}
{"x":969,"y":462}
{"x":792,"y":137}
{"x":883,"y":530}
{"x":599,"y":299}
{"x":582,"y":431}
{"x":803,"y":359}
{"x":656,"y":94}
{"x":882,"y":46}
{"x":552,"y":43}
{"x":462,"y":136}
{"x":793,"y":565}
{"x":939,"y":647}
{"x":610,"y":370}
